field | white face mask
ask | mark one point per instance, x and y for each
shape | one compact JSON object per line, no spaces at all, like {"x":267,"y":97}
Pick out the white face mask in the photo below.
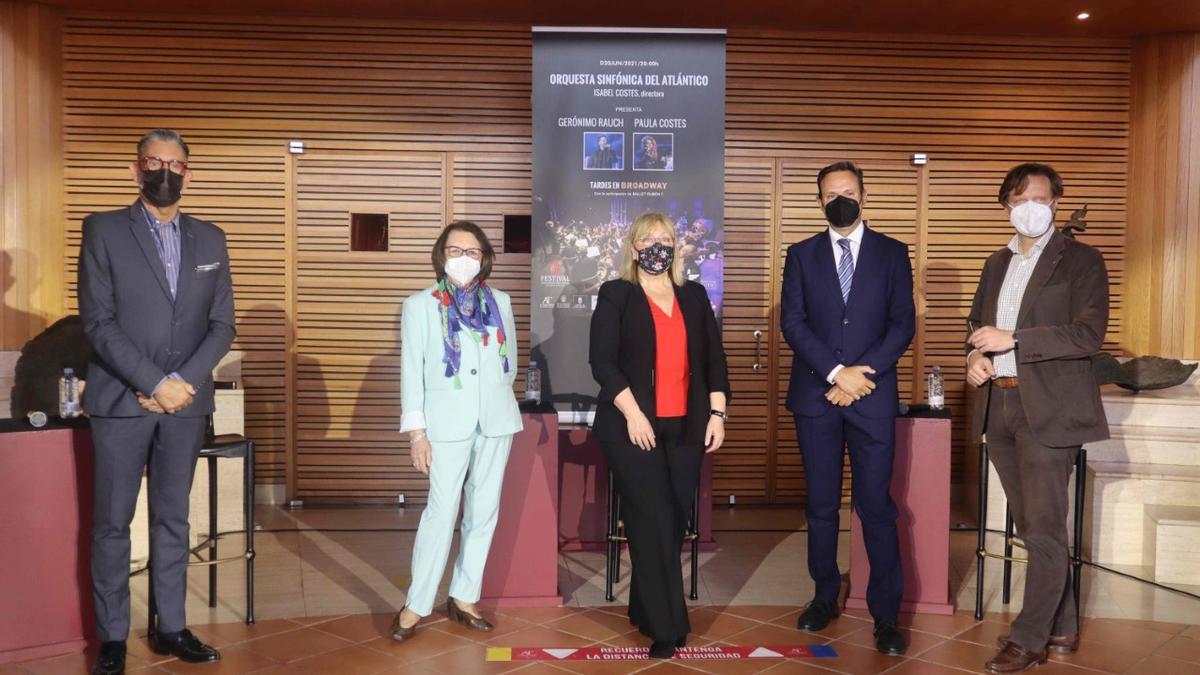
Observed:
{"x":462,"y":270}
{"x":1031,"y":218}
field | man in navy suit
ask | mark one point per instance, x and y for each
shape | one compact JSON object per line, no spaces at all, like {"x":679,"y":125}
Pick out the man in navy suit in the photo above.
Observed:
{"x":847,"y":312}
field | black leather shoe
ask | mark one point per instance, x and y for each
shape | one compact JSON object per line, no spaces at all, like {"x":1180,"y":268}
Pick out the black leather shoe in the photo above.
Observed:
{"x":183,"y":646}
{"x":110,"y":660}
{"x":888,"y":639}
{"x":817,"y":616}
{"x":662,"y":649}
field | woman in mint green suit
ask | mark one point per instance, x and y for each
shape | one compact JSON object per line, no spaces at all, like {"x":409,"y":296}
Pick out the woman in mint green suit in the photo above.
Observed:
{"x":458,"y":358}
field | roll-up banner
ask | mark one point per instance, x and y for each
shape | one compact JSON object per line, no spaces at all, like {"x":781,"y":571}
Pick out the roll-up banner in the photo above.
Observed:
{"x":625,"y":121}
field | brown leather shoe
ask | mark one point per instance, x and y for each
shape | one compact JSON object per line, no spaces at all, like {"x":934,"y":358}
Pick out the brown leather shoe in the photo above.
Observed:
{"x":1014,"y":659}
{"x":461,"y":617}
{"x":400,"y":633}
{"x":1060,"y":644}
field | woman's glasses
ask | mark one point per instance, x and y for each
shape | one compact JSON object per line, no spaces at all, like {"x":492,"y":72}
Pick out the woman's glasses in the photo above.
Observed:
{"x":456,"y":252}
{"x":646,"y":242}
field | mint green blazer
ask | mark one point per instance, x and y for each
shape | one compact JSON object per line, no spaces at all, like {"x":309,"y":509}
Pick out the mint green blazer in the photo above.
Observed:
{"x":486,"y":400}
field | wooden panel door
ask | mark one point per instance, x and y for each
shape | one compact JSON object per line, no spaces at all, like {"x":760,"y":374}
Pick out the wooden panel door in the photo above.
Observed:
{"x":483,"y":189}
{"x":743,"y":467}
{"x":346,"y":348}
{"x":892,"y":208}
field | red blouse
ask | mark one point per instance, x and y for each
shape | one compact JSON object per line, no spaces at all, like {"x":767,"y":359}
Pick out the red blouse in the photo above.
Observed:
{"x":671,"y":361}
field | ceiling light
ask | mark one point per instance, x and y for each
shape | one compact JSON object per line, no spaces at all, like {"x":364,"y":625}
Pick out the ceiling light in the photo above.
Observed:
{"x":1082,"y":16}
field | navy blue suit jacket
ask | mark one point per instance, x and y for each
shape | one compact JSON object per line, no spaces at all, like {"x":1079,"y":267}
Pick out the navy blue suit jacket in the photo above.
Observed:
{"x":139,"y":333}
{"x":874,"y":328}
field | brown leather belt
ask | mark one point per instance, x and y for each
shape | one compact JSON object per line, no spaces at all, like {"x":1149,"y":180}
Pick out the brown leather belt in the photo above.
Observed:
{"x":1006,"y":382}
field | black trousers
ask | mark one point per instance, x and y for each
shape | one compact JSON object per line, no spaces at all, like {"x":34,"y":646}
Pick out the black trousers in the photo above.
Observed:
{"x":657,"y":488}
{"x":1035,"y":479}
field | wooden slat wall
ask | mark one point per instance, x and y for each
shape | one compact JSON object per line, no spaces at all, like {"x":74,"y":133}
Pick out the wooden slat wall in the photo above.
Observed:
{"x":977,"y":106}
{"x":31,"y":235}
{"x":362,"y":93}
{"x":240,"y":89}
{"x":348,"y":304}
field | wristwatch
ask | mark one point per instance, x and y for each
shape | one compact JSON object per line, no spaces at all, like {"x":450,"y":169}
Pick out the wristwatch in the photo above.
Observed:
{"x":719,"y":413}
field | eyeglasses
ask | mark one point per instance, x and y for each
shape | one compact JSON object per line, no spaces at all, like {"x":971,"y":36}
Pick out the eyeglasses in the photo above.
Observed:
{"x":1017,"y":201}
{"x":157,"y":164}
{"x":456,"y":252}
{"x":646,"y":242}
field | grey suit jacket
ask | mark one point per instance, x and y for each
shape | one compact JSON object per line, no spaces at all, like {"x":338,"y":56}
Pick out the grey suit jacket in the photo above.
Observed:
{"x":138,"y":333}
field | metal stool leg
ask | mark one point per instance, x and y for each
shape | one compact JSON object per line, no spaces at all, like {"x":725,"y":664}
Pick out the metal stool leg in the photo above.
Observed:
{"x":695,"y":594}
{"x":212,"y":531}
{"x":1008,"y":551}
{"x":981,"y":550}
{"x":248,"y":475}
{"x":618,"y":539}
{"x":1077,"y":548}
{"x":610,"y":533}
{"x":981,"y":547}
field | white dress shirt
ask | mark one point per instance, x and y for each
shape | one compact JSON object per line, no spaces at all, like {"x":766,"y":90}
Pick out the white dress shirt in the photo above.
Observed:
{"x":1012,"y":292}
{"x":855,"y":237}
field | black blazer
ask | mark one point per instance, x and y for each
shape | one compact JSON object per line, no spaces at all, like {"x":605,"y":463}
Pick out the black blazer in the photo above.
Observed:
{"x":139,"y":333}
{"x":622,"y":354}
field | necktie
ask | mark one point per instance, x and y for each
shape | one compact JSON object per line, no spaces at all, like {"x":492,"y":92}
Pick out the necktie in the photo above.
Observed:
{"x":845,"y":269}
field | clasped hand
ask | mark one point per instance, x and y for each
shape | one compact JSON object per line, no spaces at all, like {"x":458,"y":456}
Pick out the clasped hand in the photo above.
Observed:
{"x":850,"y":384}
{"x":170,"y":397}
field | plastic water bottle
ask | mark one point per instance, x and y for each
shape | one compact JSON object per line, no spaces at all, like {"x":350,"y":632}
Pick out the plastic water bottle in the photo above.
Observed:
{"x":533,"y":382}
{"x":937,"y":389}
{"x":68,"y":394}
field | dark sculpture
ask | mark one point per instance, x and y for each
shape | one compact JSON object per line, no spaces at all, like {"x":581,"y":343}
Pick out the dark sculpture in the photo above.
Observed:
{"x":1141,"y":374}
{"x":1076,"y":223}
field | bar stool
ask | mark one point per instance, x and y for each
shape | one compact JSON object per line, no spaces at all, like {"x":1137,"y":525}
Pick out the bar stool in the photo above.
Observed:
{"x":230,"y":446}
{"x":1011,"y":541}
{"x":615,"y":538}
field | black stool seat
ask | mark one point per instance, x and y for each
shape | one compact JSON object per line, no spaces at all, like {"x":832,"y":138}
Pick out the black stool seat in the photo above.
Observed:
{"x":230,"y":446}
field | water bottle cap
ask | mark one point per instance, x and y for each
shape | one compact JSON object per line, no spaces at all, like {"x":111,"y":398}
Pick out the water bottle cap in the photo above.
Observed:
{"x":68,"y":371}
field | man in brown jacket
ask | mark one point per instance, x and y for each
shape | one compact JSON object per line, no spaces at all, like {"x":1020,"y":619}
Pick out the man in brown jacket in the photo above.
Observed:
{"x":1040,"y":312}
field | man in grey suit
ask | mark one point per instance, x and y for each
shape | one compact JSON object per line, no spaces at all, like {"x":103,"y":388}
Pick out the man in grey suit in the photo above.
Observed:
{"x":156,"y":299}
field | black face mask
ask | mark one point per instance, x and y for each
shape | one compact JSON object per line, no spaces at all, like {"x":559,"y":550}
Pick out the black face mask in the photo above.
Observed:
{"x":842,"y":211}
{"x":162,"y":188}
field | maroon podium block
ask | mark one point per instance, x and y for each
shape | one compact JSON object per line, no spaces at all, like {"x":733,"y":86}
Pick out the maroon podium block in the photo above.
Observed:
{"x":921,"y":490}
{"x":522,"y":565}
{"x":45,"y":540}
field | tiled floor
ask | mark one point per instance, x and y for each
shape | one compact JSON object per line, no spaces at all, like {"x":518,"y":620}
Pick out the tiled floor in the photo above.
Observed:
{"x":329,"y":580}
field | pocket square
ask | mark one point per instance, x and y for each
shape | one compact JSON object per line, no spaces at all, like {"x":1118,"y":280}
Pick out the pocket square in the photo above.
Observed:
{"x":208,"y":268}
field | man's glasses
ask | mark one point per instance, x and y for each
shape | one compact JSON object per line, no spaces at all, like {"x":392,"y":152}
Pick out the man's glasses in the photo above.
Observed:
{"x":157,"y":164}
{"x":456,"y":252}
{"x":1017,"y":201}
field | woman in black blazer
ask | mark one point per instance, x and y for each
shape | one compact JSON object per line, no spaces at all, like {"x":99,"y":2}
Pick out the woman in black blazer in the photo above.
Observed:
{"x":656,"y":352}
